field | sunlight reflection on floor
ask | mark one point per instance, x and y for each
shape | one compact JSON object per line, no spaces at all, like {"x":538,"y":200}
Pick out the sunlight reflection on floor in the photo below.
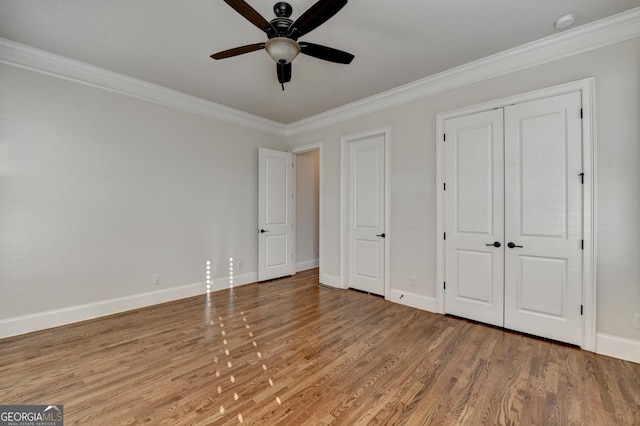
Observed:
{"x":226,"y":405}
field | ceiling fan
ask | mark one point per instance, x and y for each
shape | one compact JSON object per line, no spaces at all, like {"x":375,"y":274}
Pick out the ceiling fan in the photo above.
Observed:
{"x":283,"y":33}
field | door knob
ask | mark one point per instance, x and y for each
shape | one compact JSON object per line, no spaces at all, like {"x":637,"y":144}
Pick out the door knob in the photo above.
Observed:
{"x":262,"y":231}
{"x":513,"y":245}
{"x":381,"y":235}
{"x":496,"y":244}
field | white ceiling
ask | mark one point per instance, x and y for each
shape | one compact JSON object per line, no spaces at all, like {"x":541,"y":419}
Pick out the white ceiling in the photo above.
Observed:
{"x":168,"y":42}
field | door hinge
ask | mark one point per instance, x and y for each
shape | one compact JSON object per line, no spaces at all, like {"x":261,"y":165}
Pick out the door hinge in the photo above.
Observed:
{"x":445,"y":186}
{"x":581,"y":244}
{"x":580,"y":112}
{"x":444,"y":137}
{"x":445,"y":285}
{"x":581,"y":177}
{"x":581,"y":309}
{"x":445,"y":235}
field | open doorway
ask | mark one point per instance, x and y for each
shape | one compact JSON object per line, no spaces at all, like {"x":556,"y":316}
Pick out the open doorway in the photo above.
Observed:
{"x":308,"y":206}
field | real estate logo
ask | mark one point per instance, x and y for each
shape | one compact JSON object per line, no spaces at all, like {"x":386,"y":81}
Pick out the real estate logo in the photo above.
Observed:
{"x":31,"y":415}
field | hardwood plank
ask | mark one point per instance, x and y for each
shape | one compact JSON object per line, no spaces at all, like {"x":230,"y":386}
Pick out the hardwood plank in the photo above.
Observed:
{"x":288,"y":352}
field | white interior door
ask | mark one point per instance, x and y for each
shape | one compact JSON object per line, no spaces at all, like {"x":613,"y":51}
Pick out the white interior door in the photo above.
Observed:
{"x":543,"y":219}
{"x":276,"y":239}
{"x":529,"y":202}
{"x":367,"y":214}
{"x":474,"y":224}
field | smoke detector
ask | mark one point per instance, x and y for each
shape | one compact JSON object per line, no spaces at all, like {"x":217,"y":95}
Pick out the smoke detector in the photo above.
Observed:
{"x":565,"y":21}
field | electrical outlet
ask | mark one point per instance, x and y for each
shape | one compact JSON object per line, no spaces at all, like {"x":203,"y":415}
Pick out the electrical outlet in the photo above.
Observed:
{"x":412,"y":280}
{"x":156,"y":279}
{"x":637,"y":321}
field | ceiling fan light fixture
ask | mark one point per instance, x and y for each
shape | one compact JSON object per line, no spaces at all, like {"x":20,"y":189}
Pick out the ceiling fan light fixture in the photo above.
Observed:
{"x":282,"y":49}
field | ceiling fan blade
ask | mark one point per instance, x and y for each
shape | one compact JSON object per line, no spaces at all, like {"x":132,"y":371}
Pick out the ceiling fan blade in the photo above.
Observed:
{"x":315,"y":16}
{"x":251,"y":15}
{"x":238,"y":51}
{"x":326,"y":53}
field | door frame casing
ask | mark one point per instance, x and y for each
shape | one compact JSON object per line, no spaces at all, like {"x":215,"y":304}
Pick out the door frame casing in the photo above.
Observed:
{"x":586,"y":87}
{"x":345,"y":142}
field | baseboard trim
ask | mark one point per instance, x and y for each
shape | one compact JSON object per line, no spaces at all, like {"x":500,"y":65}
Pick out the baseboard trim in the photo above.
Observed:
{"x":307,"y":264}
{"x":618,"y":347}
{"x":413,"y":300}
{"x":58,"y":317}
{"x":238,"y":280}
{"x":608,"y":345}
{"x":331,"y":280}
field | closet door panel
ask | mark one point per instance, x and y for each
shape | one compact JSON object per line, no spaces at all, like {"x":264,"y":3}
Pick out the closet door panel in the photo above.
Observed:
{"x":543,"y":193}
{"x":474,"y":204}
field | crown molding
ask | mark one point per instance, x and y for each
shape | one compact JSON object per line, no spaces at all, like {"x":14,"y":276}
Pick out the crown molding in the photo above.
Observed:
{"x":607,"y":31}
{"x":27,"y":57}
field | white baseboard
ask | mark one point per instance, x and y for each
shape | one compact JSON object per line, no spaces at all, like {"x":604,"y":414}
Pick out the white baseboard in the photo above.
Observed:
{"x":331,"y":280}
{"x":58,"y":317}
{"x":613,"y":346}
{"x":238,"y":280}
{"x":307,"y":264}
{"x":413,"y":300}
{"x":618,"y":347}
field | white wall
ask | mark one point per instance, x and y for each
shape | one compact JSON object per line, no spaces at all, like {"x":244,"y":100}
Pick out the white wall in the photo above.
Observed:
{"x":307,"y":208}
{"x":100,"y":191}
{"x":413,"y":180}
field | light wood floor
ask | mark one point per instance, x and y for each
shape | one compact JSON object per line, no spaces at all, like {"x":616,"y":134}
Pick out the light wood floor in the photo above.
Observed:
{"x":287,"y":352}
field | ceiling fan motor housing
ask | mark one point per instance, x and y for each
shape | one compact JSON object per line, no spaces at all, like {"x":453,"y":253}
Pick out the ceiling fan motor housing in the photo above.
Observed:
{"x":282,"y":27}
{"x":281,"y":23}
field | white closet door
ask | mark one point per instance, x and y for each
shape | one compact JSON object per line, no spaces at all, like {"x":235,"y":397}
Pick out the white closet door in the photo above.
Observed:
{"x":474,"y":222}
{"x":543,"y":218}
